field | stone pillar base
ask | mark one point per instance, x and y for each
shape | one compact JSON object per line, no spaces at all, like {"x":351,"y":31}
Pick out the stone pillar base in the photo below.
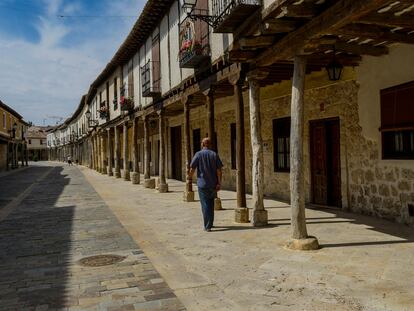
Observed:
{"x":135,"y":178}
{"x":127,"y":175}
{"x":188,"y":196}
{"x":162,"y":188}
{"x":117,"y":174}
{"x":259,"y":218}
{"x":157,"y":182}
{"x":149,"y":183}
{"x":217,"y":204}
{"x":309,"y":244}
{"x":110,"y":172}
{"x":104,"y":171}
{"x":241,"y":215}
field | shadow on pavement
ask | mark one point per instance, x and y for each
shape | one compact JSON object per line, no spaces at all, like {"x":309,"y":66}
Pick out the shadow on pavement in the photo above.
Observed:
{"x":35,"y":242}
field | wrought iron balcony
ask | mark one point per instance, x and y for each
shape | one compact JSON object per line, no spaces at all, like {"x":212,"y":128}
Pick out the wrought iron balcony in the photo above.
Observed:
{"x":230,"y":14}
{"x":151,"y":79}
{"x":194,"y":43}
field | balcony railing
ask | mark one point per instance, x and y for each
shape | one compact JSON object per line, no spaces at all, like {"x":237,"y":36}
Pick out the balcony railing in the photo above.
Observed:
{"x":194,"y":43}
{"x":229,"y":14}
{"x":151,"y":79}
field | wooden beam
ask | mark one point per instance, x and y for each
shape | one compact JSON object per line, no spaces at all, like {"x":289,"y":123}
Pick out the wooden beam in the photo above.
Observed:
{"x":359,"y":49}
{"x":274,"y":26}
{"x":338,"y":15}
{"x":376,"y":33}
{"x":303,"y":10}
{"x":249,"y":43}
{"x":391,"y":20}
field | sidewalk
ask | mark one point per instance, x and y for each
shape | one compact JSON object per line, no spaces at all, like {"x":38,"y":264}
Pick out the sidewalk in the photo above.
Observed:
{"x":364,"y":263}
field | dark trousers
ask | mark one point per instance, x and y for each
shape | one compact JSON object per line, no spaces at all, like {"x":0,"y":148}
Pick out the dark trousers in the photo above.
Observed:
{"x":207,"y":197}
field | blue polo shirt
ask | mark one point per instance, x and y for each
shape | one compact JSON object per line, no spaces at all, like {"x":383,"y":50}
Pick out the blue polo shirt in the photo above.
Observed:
{"x":207,"y":162}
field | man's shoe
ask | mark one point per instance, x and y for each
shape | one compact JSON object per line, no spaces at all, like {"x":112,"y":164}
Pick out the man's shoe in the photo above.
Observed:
{"x":208,"y":230}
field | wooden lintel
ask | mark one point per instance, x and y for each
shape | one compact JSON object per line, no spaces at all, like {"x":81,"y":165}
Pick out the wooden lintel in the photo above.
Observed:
{"x":339,"y":14}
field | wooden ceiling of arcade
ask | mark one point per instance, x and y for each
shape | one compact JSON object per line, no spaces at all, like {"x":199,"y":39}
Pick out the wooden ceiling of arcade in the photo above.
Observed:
{"x":271,"y":37}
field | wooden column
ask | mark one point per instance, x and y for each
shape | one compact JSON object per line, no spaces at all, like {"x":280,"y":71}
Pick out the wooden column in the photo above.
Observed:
{"x":211,"y":134}
{"x":117,"y":172}
{"x":162,"y":186}
{"x":98,"y":153}
{"x":148,"y":181}
{"x":125,"y":152}
{"x":259,"y":213}
{"x":22,"y":151}
{"x":241,"y":211}
{"x":135,"y":176}
{"x":109,"y":151}
{"x":300,"y":239}
{"x":103,"y":154}
{"x":188,"y":193}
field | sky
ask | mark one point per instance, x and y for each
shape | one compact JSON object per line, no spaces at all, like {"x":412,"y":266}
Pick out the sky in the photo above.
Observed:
{"x":52,"y":50}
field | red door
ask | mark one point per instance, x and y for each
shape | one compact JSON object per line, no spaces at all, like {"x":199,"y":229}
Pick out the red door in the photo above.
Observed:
{"x":318,"y":163}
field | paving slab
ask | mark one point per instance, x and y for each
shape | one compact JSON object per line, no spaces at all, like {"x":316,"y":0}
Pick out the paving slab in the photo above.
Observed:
{"x":57,"y":220}
{"x":363,"y":264}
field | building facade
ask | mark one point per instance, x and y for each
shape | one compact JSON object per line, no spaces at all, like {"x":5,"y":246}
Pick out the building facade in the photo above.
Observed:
{"x":308,"y":102}
{"x":36,"y":139}
{"x":13,"y":147}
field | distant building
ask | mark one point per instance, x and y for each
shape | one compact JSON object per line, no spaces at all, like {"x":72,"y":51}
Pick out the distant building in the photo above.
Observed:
{"x":13,"y":149}
{"x":37,"y":143}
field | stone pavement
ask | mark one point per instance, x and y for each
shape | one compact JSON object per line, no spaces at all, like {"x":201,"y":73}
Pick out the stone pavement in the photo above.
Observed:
{"x":54,"y":220}
{"x":364,"y":263}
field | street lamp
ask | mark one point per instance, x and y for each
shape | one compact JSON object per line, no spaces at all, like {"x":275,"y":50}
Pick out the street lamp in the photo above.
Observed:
{"x":189,"y":6}
{"x":91,"y":121}
{"x":334,"y":68}
{"x":13,"y":130}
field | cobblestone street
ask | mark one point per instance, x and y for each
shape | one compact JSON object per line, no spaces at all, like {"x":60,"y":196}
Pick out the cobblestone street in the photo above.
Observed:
{"x":50,"y":219}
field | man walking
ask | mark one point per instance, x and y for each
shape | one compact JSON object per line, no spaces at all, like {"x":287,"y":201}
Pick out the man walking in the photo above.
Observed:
{"x":208,"y":165}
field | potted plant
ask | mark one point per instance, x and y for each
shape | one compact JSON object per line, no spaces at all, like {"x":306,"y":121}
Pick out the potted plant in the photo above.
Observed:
{"x":103,"y":112}
{"x":127,"y":103}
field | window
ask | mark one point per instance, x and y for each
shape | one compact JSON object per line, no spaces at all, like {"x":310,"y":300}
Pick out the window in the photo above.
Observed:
{"x":41,"y":142}
{"x":281,"y":144}
{"x":196,"y":140}
{"x":131,"y":81}
{"x":397,"y":122}
{"x":233,"y":145}
{"x":30,"y":141}
{"x":4,"y":120}
{"x":115,"y":93}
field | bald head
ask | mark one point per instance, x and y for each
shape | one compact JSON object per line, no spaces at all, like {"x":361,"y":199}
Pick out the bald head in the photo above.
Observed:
{"x":206,"y":143}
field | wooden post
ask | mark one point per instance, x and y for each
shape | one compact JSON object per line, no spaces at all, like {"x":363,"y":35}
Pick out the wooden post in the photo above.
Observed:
{"x":135,"y":176}
{"x":148,"y":181}
{"x":300,"y":239}
{"x":117,"y":161}
{"x":211,"y":134}
{"x":125,"y":152}
{"x":188,"y":193}
{"x":162,"y":186}
{"x":259,"y":213}
{"x":103,"y":154}
{"x":241,"y":211}
{"x":109,"y":151}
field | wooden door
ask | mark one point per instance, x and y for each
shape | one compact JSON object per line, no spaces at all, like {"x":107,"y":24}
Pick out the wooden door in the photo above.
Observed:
{"x":176,"y":152}
{"x":318,"y":163}
{"x":325,"y":162}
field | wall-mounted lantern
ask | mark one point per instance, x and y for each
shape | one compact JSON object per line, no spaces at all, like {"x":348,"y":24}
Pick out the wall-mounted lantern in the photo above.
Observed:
{"x":334,"y":68}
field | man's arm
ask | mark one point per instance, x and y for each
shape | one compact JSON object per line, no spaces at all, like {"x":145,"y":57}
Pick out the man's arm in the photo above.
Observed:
{"x":219,"y":174}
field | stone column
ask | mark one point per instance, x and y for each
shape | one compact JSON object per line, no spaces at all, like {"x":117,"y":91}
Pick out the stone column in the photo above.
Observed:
{"x":241,"y":211}
{"x":188,"y":193}
{"x":135,"y":175}
{"x":103,"y":154}
{"x":148,"y":181}
{"x":259,"y":213}
{"x":212,"y":136}
{"x":300,"y":239}
{"x":117,"y":172}
{"x":109,"y":151}
{"x":162,"y":186}
{"x":22,"y":151}
{"x":125,"y":152}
